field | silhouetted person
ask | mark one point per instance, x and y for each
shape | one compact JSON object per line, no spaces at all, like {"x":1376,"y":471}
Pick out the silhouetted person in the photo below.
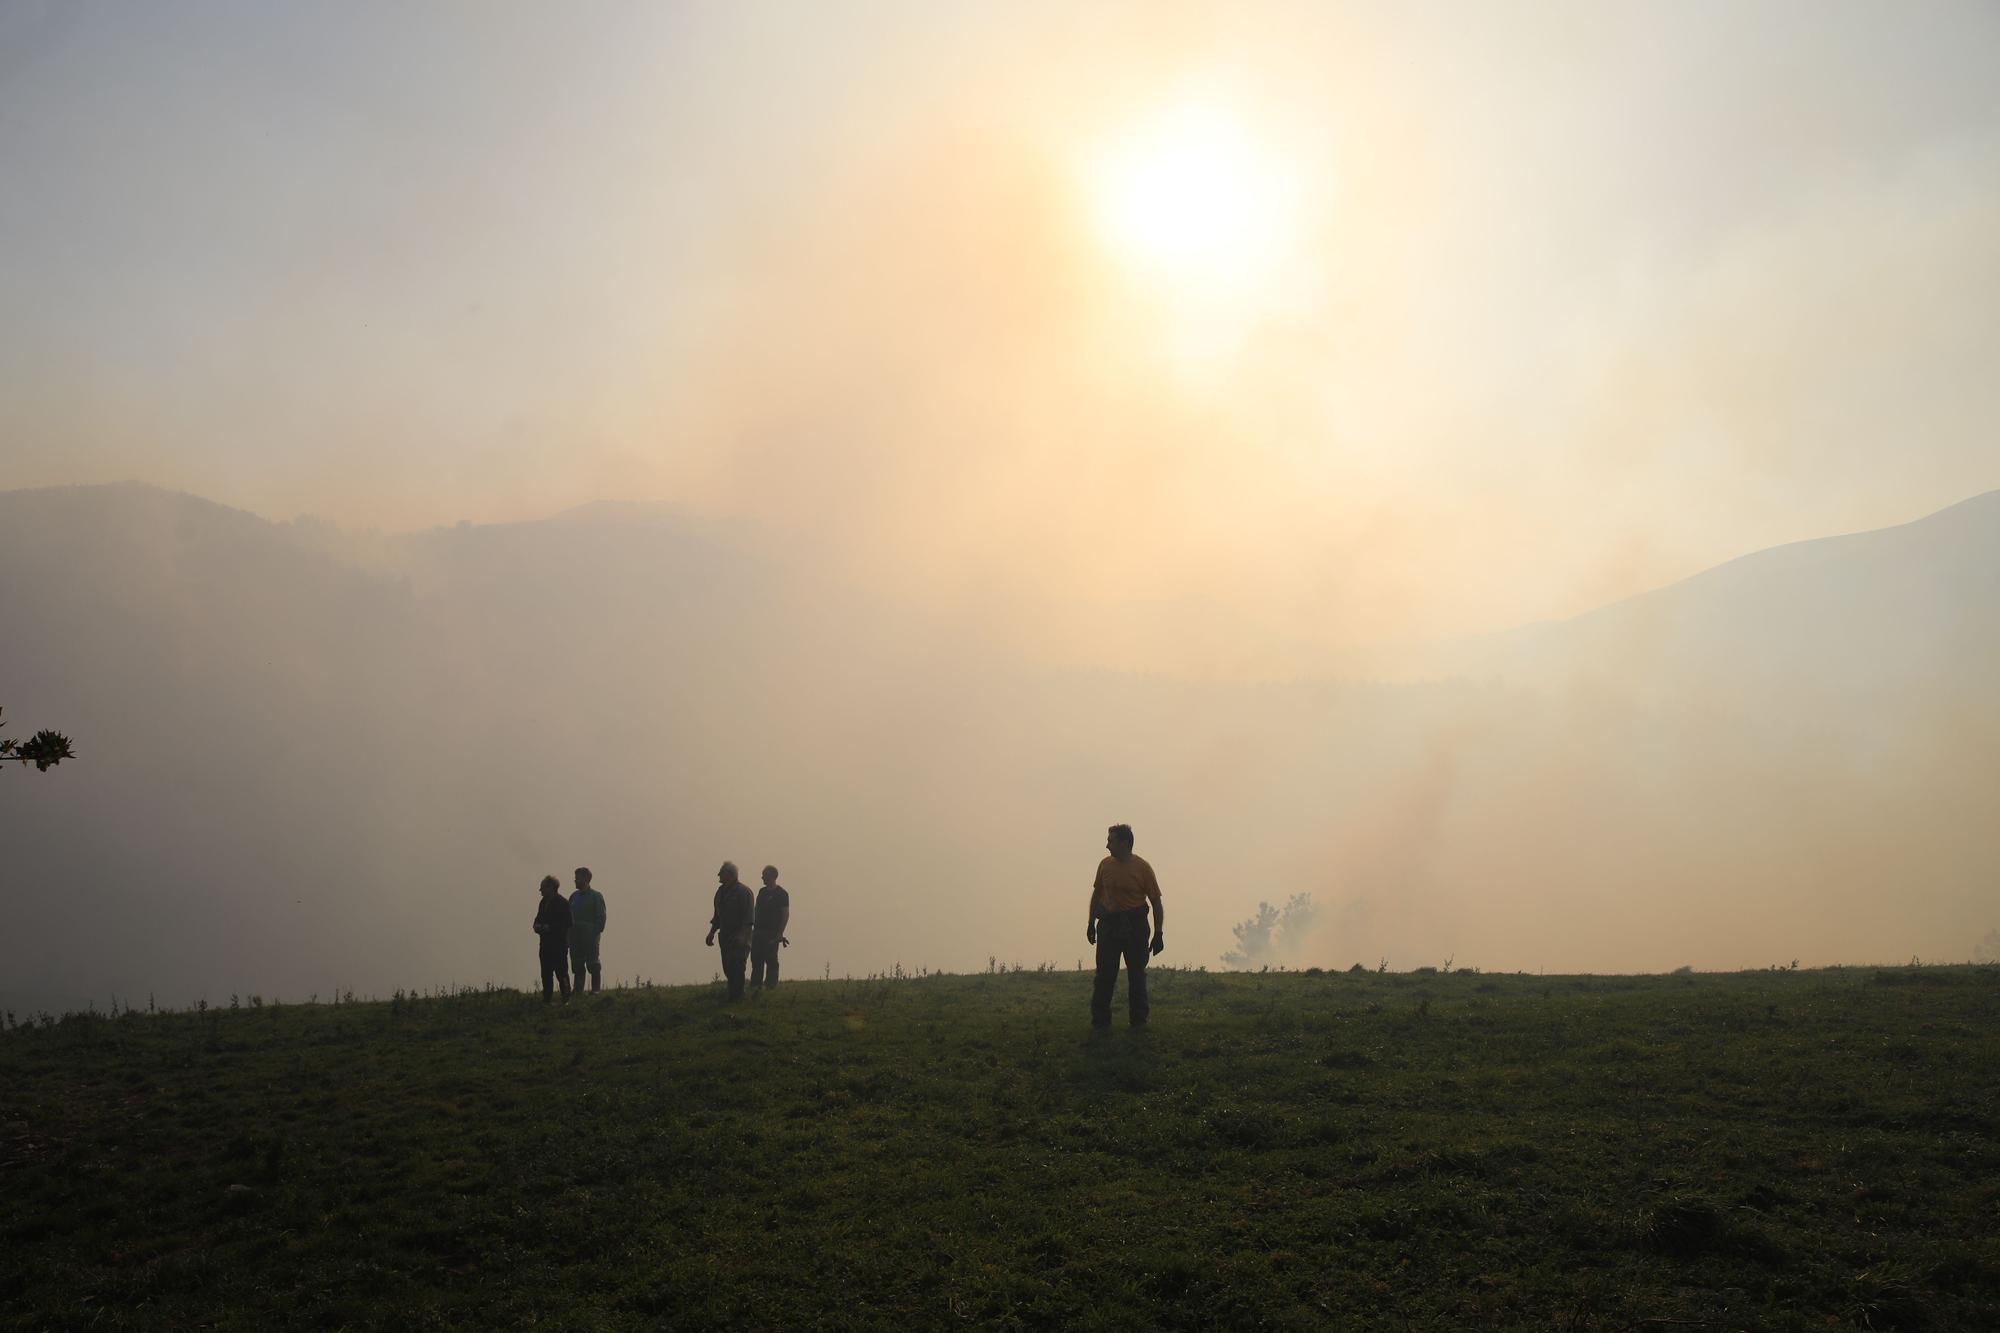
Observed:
{"x":1118,"y":899}
{"x":586,"y":929}
{"x":552,"y":925}
{"x":734,"y":912}
{"x":774,"y":913}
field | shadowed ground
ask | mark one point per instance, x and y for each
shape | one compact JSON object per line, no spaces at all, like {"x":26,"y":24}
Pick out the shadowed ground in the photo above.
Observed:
{"x":1783,"y":1149}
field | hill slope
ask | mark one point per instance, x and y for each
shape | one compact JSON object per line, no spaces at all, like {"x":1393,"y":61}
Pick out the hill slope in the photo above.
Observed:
{"x":1776,"y":1150}
{"x":1826,"y":628}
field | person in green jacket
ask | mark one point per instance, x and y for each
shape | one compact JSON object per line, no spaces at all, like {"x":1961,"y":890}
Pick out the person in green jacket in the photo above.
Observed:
{"x":586,"y":910}
{"x":735,"y":912}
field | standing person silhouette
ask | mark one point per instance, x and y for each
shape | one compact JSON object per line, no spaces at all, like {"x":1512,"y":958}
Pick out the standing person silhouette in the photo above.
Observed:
{"x":1125,"y":884}
{"x":734,"y":912}
{"x":774,"y":913}
{"x":586,"y":930}
{"x":552,"y":925}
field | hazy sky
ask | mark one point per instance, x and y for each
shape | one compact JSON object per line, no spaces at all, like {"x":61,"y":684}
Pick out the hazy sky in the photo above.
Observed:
{"x":1209,"y":337}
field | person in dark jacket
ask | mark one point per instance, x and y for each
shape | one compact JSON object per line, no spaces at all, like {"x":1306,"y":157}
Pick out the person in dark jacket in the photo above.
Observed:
{"x":586,"y":928}
{"x":774,"y":913}
{"x":552,"y":925}
{"x":735,"y":911}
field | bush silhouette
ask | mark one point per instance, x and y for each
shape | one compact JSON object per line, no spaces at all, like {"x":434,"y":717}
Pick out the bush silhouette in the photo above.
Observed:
{"x":44,"y":749}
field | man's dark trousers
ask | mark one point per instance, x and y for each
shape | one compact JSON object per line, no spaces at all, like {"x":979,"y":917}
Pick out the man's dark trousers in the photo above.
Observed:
{"x":555,"y":967}
{"x":763,"y":964}
{"x":734,"y":956}
{"x":1121,"y":935}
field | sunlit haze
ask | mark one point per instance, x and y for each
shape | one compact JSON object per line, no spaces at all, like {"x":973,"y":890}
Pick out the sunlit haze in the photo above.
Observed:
{"x":1389,"y":321}
{"x":836,"y":433}
{"x":1197,"y":206}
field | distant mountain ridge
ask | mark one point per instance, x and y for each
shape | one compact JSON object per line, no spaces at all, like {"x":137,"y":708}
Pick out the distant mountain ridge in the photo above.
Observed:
{"x":1830,"y":622}
{"x":1937,"y":578}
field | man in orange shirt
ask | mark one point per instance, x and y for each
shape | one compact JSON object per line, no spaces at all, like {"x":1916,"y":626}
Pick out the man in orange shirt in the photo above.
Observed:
{"x":1125,"y":885}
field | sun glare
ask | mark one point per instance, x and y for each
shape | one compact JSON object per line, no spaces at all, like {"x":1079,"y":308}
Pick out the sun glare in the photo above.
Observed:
{"x":1192,"y":202}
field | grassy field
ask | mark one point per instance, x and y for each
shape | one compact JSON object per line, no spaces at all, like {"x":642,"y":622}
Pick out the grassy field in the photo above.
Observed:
{"x":1764,"y":1150}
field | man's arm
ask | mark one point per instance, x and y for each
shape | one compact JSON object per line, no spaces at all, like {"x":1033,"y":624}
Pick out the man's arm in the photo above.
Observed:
{"x":1159,"y":910}
{"x":715,"y":918}
{"x":1090,"y":928}
{"x":785,"y":920}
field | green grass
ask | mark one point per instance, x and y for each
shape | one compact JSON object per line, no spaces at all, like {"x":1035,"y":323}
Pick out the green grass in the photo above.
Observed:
{"x":1770,"y":1150}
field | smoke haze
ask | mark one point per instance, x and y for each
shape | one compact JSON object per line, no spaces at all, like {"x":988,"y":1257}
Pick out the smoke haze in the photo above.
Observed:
{"x":639,"y":436}
{"x":310,"y":763}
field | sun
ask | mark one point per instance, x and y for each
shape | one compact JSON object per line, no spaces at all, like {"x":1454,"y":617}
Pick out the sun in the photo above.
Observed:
{"x":1193,"y":203}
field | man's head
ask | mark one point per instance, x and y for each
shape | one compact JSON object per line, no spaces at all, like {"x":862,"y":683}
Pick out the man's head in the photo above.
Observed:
{"x":1118,"y":840}
{"x":770,"y":874}
{"x":550,"y":884}
{"x":583,"y":877}
{"x":728,"y":872}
